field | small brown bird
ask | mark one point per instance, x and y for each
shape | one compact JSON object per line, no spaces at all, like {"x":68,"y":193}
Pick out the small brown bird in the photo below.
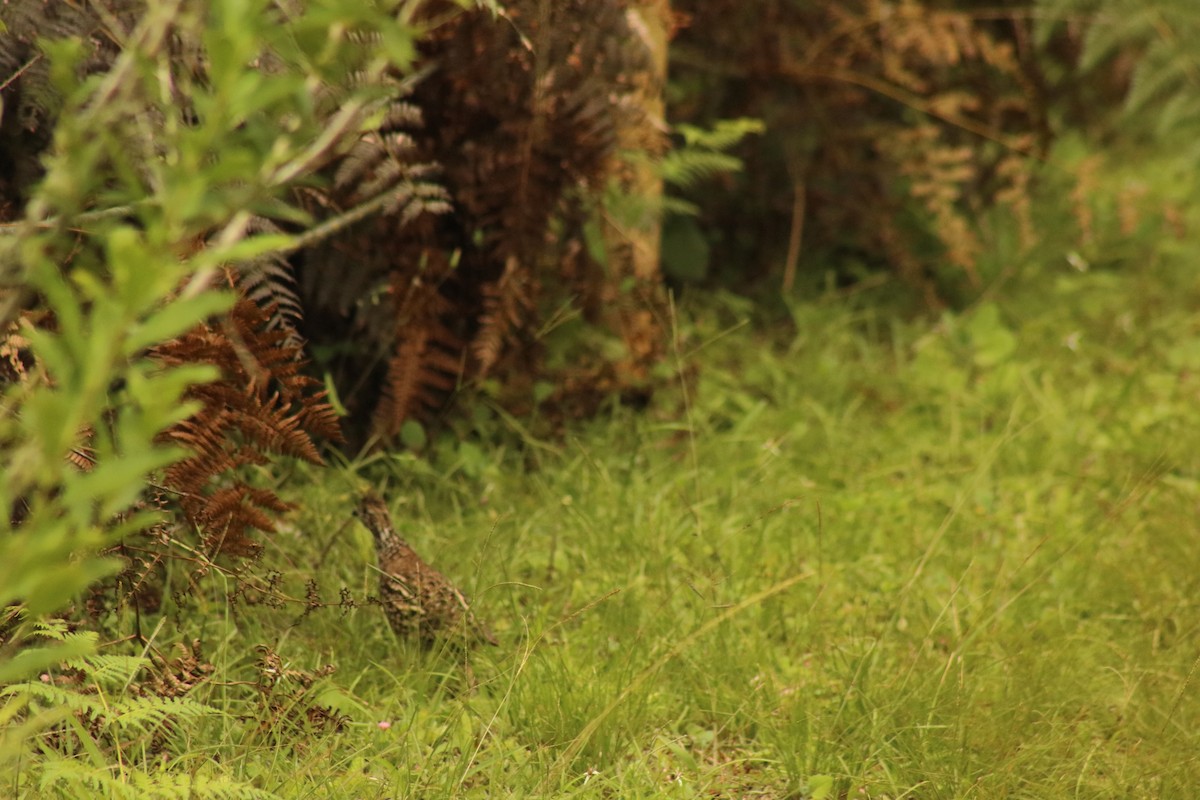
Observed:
{"x":416,"y":597}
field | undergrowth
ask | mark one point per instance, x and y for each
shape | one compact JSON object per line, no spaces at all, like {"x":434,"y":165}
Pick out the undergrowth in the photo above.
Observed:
{"x":867,"y":557}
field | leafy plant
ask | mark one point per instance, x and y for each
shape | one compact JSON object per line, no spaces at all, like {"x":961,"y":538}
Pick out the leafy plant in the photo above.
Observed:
{"x":1132,"y":58}
{"x":702,"y":156}
{"x":165,"y":154}
{"x":1127,"y":88}
{"x":110,"y":734}
{"x":521,"y":114}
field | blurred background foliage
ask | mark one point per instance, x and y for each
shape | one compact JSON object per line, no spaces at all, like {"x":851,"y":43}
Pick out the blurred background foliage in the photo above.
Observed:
{"x":914,"y":138}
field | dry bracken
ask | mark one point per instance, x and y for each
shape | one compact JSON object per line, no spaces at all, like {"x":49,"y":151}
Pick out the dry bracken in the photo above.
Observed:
{"x":416,"y":597}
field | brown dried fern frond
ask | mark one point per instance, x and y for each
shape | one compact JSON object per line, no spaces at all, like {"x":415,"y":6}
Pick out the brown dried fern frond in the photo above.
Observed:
{"x":177,"y":672}
{"x":514,"y":116}
{"x":425,"y":368}
{"x":262,"y":405}
{"x":508,"y":303}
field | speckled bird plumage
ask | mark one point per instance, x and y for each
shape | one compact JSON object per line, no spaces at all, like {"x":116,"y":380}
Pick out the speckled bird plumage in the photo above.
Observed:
{"x":417,"y":599}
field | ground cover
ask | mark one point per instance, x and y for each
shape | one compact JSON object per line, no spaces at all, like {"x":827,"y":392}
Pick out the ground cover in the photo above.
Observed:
{"x":857,"y":556}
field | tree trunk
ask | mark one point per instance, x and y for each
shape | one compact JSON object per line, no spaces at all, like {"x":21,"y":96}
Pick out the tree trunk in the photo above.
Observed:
{"x":632,"y":233}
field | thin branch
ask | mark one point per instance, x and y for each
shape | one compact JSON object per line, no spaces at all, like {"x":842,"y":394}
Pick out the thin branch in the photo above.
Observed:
{"x":333,"y":225}
{"x":796,"y":234}
{"x":20,"y":71}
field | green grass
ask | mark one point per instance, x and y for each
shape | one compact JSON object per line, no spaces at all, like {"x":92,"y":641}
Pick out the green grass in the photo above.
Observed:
{"x":858,"y":557}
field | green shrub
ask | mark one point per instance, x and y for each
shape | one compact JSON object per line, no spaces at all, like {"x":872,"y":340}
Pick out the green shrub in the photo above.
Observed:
{"x":206,"y":117}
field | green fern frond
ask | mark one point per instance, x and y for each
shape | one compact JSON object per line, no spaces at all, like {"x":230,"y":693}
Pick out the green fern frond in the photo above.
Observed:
{"x":72,"y":778}
{"x":54,"y":696}
{"x":702,"y":157}
{"x":69,"y":777}
{"x":1164,"y":87}
{"x":57,"y":630}
{"x":724,"y":134}
{"x":108,"y":670}
{"x":146,"y":714}
{"x":677,"y":206}
{"x":89,"y":698}
{"x":687,"y":168}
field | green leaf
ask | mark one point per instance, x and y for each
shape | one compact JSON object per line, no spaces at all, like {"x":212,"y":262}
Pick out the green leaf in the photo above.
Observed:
{"x":593,"y":237}
{"x":139,"y":275}
{"x":68,"y":312}
{"x":115,"y":483}
{"x":175,"y":318}
{"x":412,"y":433}
{"x":331,"y":397}
{"x":685,"y":251}
{"x":820,"y":787}
{"x":66,"y":581}
{"x":30,"y":661}
{"x":244,"y":250}
{"x":543,"y":391}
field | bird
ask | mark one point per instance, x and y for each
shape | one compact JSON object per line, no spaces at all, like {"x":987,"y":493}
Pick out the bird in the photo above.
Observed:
{"x":417,"y":599}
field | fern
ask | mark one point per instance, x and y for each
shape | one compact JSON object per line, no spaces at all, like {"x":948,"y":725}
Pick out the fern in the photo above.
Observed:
{"x":700,"y":157}
{"x":108,"y":671}
{"x":1164,"y":84}
{"x":70,"y":778}
{"x":506,"y":302}
{"x":262,"y":405}
{"x":106,"y":713}
{"x":687,"y":168}
{"x":521,"y":110}
{"x":1131,"y":87}
{"x":424,"y":370}
{"x":115,"y":718}
{"x":725,"y":134}
{"x":268,"y":282}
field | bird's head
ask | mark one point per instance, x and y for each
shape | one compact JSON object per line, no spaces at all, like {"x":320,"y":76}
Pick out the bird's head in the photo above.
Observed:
{"x":373,"y":513}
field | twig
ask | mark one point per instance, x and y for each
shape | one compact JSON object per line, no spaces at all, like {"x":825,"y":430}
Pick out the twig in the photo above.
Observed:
{"x":20,"y":71}
{"x":796,"y":235}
